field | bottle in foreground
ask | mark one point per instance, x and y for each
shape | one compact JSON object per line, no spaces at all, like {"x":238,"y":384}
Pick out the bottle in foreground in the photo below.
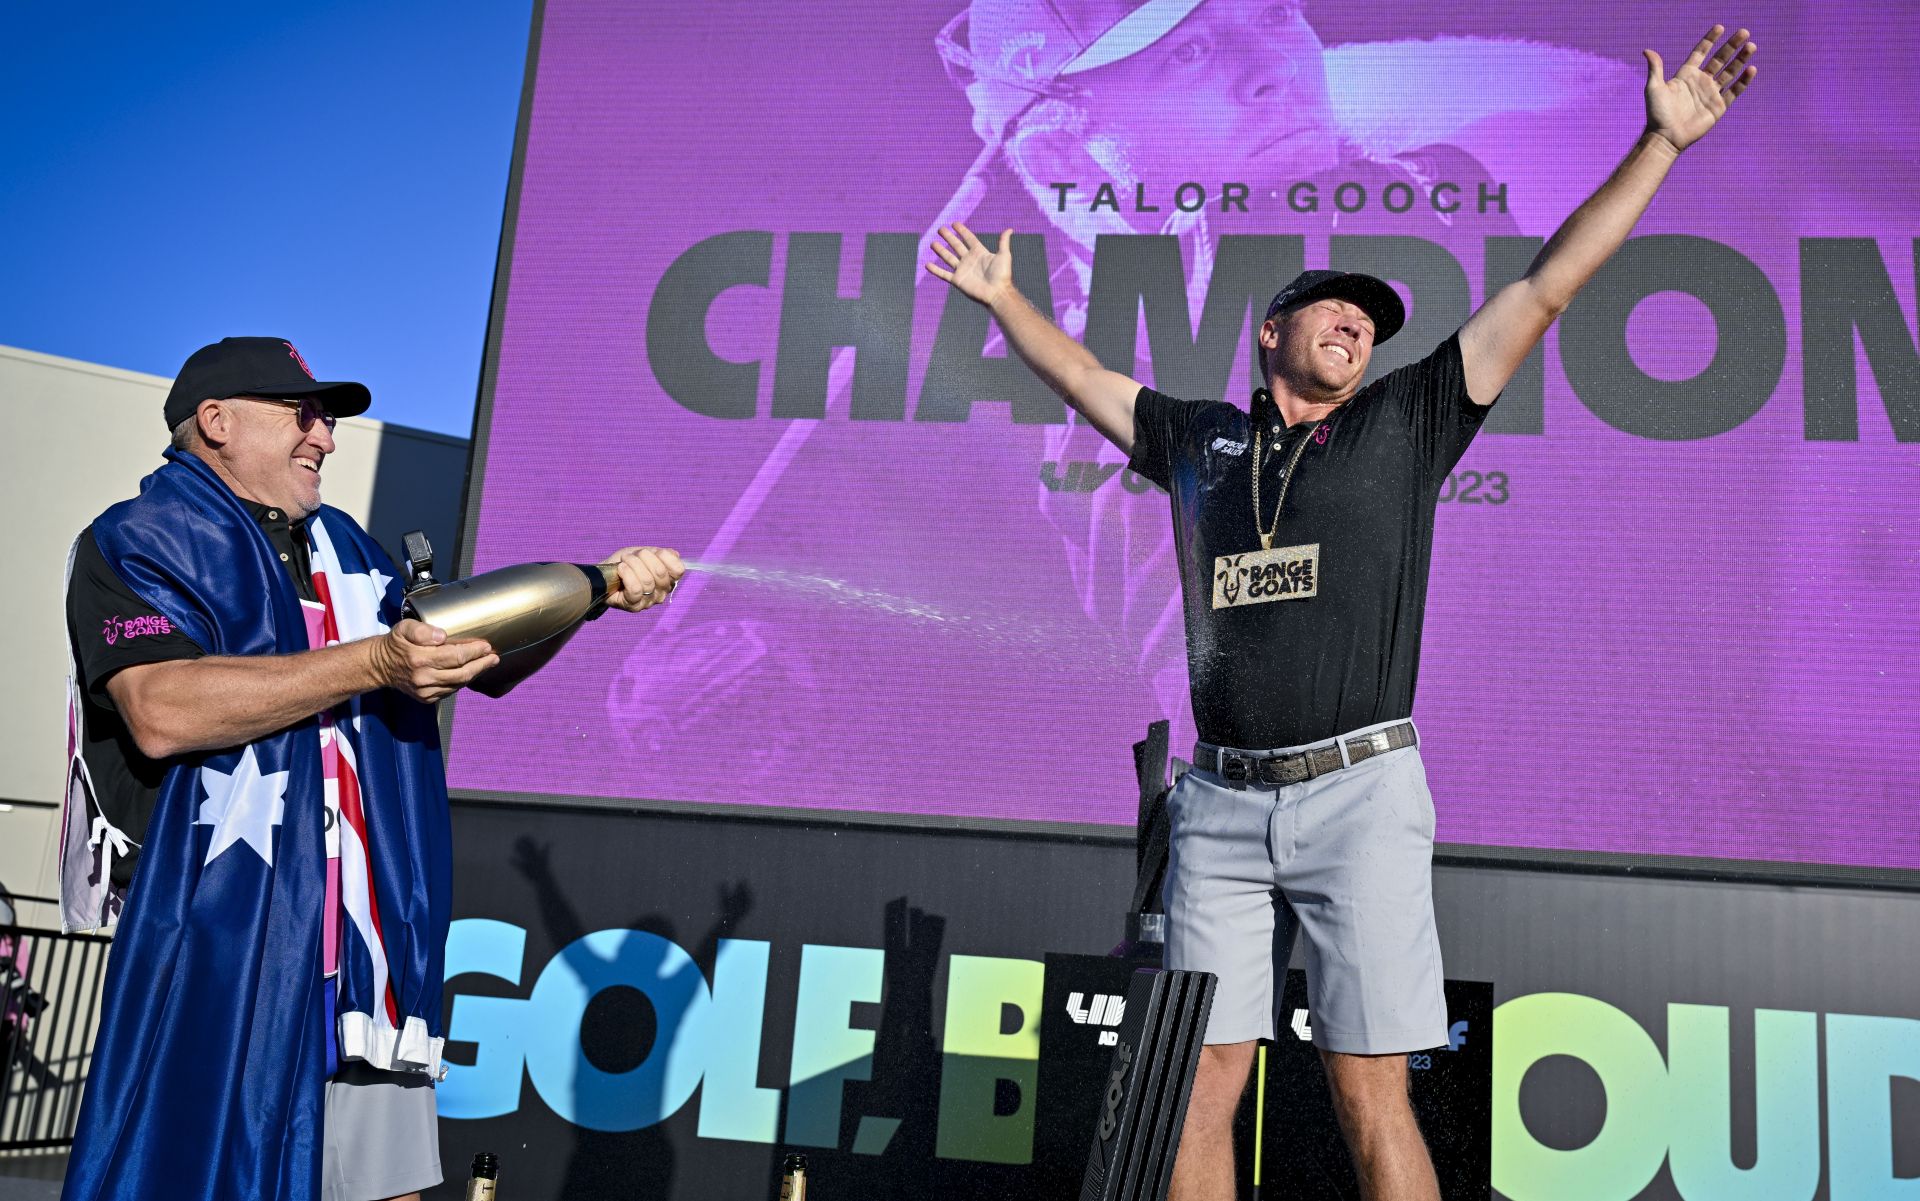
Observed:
{"x":793,"y":1178}
{"x":486,"y":1170}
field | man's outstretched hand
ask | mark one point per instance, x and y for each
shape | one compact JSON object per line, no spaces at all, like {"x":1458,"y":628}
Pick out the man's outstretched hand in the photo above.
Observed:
{"x":1682,"y":109}
{"x":648,"y":576}
{"x":980,"y":274}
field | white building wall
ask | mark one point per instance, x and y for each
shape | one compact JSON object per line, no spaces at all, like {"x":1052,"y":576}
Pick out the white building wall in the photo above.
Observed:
{"x":77,"y":437}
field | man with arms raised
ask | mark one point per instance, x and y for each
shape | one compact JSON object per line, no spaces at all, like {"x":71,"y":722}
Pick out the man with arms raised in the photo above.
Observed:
{"x":1304,"y":529}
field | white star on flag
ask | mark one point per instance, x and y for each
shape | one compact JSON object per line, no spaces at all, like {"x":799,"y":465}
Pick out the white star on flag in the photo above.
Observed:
{"x":243,"y":806}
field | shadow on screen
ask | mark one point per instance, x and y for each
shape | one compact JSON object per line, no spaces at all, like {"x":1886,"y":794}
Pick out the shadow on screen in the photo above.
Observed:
{"x":910,"y":1120}
{"x":884,"y":1108}
{"x":619,"y":1032}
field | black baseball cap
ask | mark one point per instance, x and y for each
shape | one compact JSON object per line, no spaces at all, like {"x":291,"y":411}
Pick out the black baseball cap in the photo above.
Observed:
{"x":1375,"y":296}
{"x":266,"y":367}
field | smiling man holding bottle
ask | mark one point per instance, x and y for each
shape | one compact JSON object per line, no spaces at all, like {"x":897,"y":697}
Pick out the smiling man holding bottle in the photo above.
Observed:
{"x":252,"y":723}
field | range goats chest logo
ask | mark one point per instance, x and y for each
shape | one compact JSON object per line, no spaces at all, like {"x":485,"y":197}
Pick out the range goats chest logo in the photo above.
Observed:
{"x":1257,"y":577}
{"x":1106,"y":1009}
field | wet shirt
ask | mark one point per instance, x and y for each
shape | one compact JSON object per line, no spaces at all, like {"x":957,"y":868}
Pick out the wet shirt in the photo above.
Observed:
{"x":110,"y":628}
{"x":1322,"y":634}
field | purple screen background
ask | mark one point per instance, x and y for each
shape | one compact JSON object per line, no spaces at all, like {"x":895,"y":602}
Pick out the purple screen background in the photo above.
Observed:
{"x":1697,"y":648}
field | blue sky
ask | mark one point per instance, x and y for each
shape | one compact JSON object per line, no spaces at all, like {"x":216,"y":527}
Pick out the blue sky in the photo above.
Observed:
{"x":333,"y":173}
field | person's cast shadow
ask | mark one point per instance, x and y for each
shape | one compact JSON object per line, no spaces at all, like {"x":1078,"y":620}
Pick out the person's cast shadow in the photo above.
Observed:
{"x":619,"y":1030}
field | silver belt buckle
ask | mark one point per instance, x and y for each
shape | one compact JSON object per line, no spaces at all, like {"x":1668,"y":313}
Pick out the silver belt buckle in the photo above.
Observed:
{"x":1375,"y":743}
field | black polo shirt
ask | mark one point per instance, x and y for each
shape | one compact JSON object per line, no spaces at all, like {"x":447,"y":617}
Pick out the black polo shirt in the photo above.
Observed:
{"x":1322,"y":641}
{"x":110,"y":628}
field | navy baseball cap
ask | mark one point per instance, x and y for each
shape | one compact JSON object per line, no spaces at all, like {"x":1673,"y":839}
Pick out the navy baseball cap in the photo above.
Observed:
{"x":266,"y":367}
{"x":1375,"y":297}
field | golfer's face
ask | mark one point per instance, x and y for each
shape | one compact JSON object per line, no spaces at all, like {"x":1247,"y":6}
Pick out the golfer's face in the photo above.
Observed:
{"x":1324,"y":346}
{"x":1236,"y":92}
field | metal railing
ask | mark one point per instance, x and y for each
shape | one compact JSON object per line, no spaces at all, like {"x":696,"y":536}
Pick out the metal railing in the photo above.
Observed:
{"x":50,"y":988}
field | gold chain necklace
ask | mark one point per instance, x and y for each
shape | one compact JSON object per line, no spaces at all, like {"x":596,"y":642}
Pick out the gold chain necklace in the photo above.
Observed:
{"x":1286,"y":480}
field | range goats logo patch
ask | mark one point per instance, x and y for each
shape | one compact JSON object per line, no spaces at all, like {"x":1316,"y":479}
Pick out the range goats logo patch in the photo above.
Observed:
{"x":115,"y":628}
{"x":1257,"y":577}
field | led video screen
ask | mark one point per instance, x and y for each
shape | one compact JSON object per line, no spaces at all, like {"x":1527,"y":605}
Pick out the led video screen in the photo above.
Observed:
{"x":1672,"y":602}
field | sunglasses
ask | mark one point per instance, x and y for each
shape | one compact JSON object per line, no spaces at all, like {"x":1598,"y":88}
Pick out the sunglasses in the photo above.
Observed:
{"x":307,"y":410}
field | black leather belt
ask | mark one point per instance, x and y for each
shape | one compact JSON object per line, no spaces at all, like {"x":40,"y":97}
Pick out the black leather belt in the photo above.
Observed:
{"x":1239,"y":767}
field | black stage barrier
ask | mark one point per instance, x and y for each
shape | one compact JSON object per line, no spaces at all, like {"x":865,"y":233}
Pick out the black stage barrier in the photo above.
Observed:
{"x":1141,"y":1107}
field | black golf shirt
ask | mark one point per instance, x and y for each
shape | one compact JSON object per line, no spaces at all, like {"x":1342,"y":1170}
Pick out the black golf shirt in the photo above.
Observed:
{"x":1339,"y":647}
{"x":111,"y":628}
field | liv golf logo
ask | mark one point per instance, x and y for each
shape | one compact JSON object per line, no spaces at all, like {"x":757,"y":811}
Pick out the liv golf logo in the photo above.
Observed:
{"x":1106,"y":1010}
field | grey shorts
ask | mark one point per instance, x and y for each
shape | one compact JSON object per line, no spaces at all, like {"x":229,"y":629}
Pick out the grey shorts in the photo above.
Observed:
{"x":1345,"y":859}
{"x":381,"y":1135}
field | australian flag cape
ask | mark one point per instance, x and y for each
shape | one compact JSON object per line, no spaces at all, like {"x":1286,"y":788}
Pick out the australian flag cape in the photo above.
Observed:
{"x":209,"y":1069}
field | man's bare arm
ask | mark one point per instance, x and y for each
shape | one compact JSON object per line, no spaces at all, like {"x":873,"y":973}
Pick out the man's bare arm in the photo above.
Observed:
{"x":1104,"y":398}
{"x":227,"y":700}
{"x":1497,"y":338}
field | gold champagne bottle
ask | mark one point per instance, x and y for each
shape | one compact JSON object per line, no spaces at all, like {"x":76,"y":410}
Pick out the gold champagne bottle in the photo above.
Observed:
{"x":486,"y":1169}
{"x":527,"y":612}
{"x":511,"y":607}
